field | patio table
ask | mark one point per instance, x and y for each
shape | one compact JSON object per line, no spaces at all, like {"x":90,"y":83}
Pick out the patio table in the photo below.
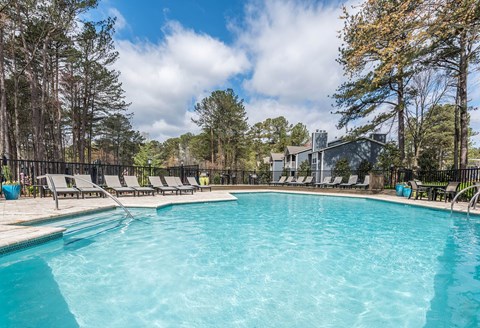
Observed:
{"x":432,"y":190}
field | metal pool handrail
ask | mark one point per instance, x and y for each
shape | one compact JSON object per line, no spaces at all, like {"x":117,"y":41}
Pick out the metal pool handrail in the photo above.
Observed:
{"x":471,"y":201}
{"x":54,"y":190}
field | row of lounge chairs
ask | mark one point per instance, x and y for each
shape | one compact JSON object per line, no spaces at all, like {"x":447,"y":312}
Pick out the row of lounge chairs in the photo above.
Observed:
{"x":83,"y":185}
{"x":327,"y":182}
{"x":292,"y":181}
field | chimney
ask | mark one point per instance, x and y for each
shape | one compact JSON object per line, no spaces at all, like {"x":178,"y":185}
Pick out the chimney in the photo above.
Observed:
{"x":319,"y":140}
{"x":380,"y":137}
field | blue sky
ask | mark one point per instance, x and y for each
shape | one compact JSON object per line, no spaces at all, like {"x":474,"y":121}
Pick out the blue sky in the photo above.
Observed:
{"x":146,"y":18}
{"x":278,"y":55}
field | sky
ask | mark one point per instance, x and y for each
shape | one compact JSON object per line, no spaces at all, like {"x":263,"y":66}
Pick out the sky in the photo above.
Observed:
{"x":279,"y":56}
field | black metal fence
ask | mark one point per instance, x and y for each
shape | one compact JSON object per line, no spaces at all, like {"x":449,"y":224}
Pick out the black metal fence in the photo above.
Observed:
{"x":27,"y":171}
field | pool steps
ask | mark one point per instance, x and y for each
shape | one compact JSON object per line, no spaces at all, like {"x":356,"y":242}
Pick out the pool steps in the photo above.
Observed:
{"x":94,"y":225}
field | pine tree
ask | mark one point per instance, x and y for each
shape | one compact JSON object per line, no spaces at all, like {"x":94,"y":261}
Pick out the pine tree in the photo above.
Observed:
{"x":381,"y":42}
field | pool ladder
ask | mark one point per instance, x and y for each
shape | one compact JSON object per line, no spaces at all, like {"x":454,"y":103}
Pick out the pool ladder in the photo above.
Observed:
{"x":472,"y":201}
{"x":100,"y":189}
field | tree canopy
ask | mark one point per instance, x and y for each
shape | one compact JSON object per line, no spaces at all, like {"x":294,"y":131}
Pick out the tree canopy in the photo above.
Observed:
{"x":56,"y":82}
{"x":388,"y":45}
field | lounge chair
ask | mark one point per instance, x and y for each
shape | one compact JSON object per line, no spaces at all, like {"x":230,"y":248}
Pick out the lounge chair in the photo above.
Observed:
{"x":365,"y":184}
{"x":61,"y":187}
{"x":352,"y":180}
{"x":308,"y":181}
{"x":180,"y":184}
{"x":287,"y":181}
{"x":449,"y":192}
{"x":172,"y":182}
{"x":280,"y":181}
{"x":113,"y":183}
{"x":303,"y":181}
{"x":324,"y":182}
{"x":298,"y":181}
{"x":157,"y":184}
{"x":83,"y":182}
{"x":193,"y":182}
{"x":418,"y":189}
{"x":132,"y":182}
{"x":335,"y":182}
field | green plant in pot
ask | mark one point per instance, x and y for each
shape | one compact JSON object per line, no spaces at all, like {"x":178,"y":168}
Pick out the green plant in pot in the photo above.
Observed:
{"x":10,"y":188}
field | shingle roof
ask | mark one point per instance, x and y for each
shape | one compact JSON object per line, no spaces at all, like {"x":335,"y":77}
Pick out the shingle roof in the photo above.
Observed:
{"x":293,"y":150}
{"x":276,"y":156}
{"x":340,"y":143}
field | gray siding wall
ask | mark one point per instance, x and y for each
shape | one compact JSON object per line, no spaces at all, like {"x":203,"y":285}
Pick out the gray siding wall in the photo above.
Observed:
{"x":301,"y":157}
{"x":355,"y":152}
{"x":277,"y":170}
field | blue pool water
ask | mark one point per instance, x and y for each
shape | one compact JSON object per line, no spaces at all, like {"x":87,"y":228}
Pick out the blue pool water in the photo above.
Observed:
{"x":266,"y":260}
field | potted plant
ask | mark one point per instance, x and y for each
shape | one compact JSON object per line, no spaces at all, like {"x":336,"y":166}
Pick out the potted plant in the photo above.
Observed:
{"x":10,"y":188}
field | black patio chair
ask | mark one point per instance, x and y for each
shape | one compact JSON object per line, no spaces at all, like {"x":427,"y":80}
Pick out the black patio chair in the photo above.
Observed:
{"x":449,"y":192}
{"x":418,"y":189}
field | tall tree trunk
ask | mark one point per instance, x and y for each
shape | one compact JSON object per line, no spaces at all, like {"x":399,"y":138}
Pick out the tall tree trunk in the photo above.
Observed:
{"x":212,"y":158}
{"x":4,"y":129}
{"x":16,"y":109}
{"x":401,"y":119}
{"x":84,"y":118}
{"x":90,"y":127}
{"x":463,"y":102}
{"x":37,"y":117}
{"x":456,"y":137}
{"x":44,"y":96}
{"x":57,"y":115}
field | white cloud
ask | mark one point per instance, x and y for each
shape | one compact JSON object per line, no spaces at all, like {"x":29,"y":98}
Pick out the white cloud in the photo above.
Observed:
{"x":293,"y":45}
{"x":161,"y":80}
{"x":287,"y":50}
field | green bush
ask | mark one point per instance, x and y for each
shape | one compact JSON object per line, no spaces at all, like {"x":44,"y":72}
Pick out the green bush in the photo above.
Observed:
{"x":304,"y":169}
{"x":216,"y":179}
{"x":363,"y":169}
{"x":342,"y":168}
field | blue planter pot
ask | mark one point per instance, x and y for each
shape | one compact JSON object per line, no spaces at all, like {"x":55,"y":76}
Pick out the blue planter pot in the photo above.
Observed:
{"x":11,"y":192}
{"x":399,"y":189}
{"x":407,"y":192}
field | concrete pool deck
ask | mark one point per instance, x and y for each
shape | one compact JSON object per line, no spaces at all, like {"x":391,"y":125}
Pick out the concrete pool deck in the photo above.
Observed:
{"x":17,"y":216}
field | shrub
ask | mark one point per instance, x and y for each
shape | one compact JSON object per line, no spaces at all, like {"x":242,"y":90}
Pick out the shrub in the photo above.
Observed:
{"x":363,"y":169}
{"x":342,"y":168}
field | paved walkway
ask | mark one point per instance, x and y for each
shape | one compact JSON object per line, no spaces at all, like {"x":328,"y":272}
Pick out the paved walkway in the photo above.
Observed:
{"x":16,"y":215}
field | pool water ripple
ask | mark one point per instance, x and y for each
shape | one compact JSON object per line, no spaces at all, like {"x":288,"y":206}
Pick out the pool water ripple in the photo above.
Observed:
{"x":274,"y":260}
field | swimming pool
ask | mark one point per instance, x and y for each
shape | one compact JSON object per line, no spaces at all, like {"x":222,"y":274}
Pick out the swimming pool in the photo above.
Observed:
{"x":266,"y":260}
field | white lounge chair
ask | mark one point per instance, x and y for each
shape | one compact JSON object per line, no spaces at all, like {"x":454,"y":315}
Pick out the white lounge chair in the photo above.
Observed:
{"x":113,"y":182}
{"x":61,"y":186}
{"x":172,"y":182}
{"x":352,"y":180}
{"x":365,"y":184}
{"x":335,"y":182}
{"x":324,"y":182}
{"x":280,"y":181}
{"x":298,"y":181}
{"x":132,"y":182}
{"x":287,"y":181}
{"x":193,"y":182}
{"x":83,"y":182}
{"x":180,"y":184}
{"x":157,"y":184}
{"x":306,"y":181}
